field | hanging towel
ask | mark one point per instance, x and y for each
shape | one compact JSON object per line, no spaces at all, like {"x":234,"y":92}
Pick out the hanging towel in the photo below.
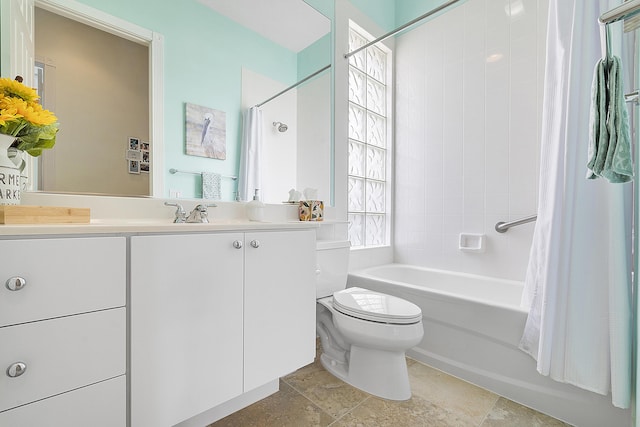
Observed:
{"x":609,"y":153}
{"x":211,"y":185}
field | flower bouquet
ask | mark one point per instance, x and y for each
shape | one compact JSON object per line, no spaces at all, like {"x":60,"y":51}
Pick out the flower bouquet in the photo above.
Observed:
{"x":22,"y":117}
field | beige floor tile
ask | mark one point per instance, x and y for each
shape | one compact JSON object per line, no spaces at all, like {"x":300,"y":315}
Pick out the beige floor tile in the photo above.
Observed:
{"x":285,"y":408}
{"x":506,"y":413}
{"x":416,"y":412}
{"x":456,"y":396}
{"x":328,"y":392}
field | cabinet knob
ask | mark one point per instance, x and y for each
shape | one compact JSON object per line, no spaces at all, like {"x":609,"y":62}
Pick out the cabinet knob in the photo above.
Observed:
{"x":255,"y":243}
{"x":16,"y":369}
{"x":237,"y":244}
{"x":15,"y":283}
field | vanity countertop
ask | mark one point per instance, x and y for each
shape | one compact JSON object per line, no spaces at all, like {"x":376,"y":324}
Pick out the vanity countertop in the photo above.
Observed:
{"x":141,"y":226}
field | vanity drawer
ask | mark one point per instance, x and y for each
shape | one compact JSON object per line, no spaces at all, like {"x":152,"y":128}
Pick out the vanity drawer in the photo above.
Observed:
{"x":98,"y":405}
{"x":61,"y":354}
{"x":62,"y":276}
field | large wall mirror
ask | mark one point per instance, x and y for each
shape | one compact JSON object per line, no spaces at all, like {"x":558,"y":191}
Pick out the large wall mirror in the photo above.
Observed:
{"x":98,"y":84}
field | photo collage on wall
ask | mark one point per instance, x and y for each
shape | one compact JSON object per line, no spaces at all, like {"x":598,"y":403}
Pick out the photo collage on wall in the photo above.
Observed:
{"x":138,"y":158}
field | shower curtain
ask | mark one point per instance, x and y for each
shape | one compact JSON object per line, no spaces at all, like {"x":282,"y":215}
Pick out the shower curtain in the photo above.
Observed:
{"x":577,"y":286}
{"x":249,"y":177}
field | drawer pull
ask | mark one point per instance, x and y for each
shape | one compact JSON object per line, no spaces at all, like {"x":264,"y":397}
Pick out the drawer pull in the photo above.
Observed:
{"x":16,"y":369}
{"x":255,"y":243}
{"x":15,"y":283}
{"x":237,"y":244}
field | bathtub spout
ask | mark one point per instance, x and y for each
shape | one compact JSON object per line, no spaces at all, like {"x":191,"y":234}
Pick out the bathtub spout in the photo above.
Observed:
{"x":332,"y":345}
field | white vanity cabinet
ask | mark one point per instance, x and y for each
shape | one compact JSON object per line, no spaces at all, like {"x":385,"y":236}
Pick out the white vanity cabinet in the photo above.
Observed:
{"x":216,"y":315}
{"x":63,"y":332}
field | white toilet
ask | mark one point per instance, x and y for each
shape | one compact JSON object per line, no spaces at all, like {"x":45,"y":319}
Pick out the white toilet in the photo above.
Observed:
{"x":364,"y":334}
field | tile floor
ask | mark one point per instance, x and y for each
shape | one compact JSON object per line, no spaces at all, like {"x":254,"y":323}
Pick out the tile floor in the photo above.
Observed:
{"x":312,"y":396}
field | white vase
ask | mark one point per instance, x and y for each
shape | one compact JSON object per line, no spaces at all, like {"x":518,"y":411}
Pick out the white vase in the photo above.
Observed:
{"x":9,"y":174}
{"x":18,"y":158}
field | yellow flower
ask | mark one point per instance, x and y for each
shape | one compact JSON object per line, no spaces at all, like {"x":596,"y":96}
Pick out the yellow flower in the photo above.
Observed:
{"x":14,"y":88}
{"x":32,"y":113}
{"x":38,"y":117}
{"x":9,"y":103}
{"x":24,"y":118}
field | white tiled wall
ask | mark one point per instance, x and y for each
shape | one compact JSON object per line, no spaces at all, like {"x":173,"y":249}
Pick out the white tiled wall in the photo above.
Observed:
{"x":468,"y":109}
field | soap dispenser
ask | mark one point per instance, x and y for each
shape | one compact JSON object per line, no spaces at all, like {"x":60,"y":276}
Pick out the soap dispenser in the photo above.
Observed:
{"x":255,"y":208}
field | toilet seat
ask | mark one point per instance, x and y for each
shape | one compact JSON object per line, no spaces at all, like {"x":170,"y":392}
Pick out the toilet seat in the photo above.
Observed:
{"x":376,"y":307}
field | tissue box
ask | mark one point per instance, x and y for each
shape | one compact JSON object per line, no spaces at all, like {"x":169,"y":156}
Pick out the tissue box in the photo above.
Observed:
{"x":311,"y":210}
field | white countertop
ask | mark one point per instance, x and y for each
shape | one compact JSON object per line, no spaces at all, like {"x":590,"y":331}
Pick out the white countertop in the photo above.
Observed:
{"x":140,"y":226}
{"x":135,"y":215}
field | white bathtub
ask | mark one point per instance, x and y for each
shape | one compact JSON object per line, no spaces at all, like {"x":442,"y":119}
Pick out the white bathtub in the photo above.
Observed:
{"x":472,"y":326}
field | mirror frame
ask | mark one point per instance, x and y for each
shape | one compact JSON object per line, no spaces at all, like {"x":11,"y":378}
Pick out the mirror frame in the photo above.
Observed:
{"x":155,"y":42}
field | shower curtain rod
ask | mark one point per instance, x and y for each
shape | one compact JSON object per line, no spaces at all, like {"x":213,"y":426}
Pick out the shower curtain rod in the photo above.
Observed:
{"x":326,"y":67}
{"x":402,"y":27}
{"x":625,"y":10}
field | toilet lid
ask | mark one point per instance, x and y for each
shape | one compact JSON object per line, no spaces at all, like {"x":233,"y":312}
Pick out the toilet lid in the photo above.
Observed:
{"x":375,"y":306}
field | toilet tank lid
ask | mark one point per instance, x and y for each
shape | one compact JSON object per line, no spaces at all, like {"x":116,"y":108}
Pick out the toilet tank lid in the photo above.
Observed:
{"x":332,"y":244}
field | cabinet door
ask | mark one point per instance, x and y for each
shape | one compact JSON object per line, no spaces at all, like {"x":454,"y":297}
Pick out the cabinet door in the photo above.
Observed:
{"x":279,"y":320}
{"x":186,"y":325}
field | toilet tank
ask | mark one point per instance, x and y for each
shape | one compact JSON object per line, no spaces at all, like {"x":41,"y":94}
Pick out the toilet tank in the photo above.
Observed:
{"x":332,"y":266}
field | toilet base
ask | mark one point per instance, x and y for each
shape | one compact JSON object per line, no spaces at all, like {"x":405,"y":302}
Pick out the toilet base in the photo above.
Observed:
{"x":378,"y":372}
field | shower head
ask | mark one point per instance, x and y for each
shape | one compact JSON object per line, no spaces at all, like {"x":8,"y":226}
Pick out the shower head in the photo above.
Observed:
{"x":280,"y":126}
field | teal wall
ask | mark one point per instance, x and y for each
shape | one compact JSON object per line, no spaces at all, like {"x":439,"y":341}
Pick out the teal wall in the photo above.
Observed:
{"x":319,"y":54}
{"x":314,"y":57}
{"x":382,"y":12}
{"x":204,"y":53}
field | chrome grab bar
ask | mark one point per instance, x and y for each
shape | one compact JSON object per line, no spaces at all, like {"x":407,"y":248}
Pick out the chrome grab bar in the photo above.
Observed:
{"x":502,"y":227}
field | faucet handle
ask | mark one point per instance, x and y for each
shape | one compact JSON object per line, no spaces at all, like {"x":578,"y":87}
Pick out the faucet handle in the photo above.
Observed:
{"x":200,"y":213}
{"x":181,"y":215}
{"x":203,"y":207}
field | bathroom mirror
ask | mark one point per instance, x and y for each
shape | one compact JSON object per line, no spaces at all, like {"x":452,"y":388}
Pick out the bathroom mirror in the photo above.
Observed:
{"x":192,"y":57}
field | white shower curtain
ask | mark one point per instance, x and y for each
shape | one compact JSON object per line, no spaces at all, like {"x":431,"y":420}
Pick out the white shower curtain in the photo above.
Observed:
{"x":577,"y":284}
{"x":250,"y":177}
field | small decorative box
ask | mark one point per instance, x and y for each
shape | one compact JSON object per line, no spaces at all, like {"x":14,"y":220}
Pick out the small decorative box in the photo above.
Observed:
{"x":311,"y":210}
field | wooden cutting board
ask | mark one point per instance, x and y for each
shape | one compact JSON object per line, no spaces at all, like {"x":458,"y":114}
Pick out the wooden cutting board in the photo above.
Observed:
{"x":21,"y":214}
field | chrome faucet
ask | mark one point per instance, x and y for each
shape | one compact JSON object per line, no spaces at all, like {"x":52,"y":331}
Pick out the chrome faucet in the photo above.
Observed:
{"x":181,"y":215}
{"x":200,"y":213}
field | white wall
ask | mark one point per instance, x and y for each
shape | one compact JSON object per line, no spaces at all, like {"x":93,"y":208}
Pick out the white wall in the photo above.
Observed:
{"x":468,"y":108}
{"x":279,"y":150}
{"x":300,"y":157}
{"x":314,"y":136}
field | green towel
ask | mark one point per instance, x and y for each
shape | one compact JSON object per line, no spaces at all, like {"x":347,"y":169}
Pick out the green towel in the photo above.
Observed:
{"x":609,"y":153}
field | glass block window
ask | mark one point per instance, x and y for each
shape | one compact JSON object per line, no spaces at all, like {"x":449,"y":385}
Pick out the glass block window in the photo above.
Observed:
{"x":369,"y":141}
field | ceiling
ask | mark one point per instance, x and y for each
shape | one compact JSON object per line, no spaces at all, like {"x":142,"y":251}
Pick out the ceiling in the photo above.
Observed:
{"x":290,"y":23}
